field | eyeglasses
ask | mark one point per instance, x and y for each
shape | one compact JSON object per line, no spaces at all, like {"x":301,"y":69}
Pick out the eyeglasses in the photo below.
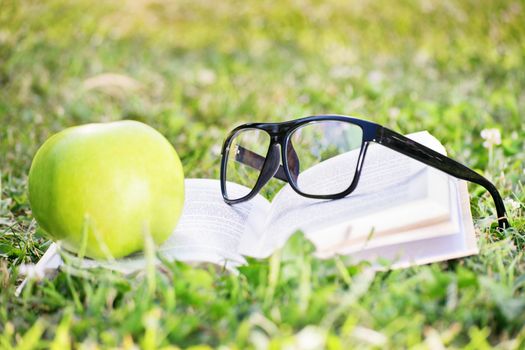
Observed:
{"x":251,"y":157}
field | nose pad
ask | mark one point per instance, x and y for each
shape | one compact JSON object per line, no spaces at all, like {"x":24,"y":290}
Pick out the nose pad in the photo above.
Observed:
{"x":270,"y":167}
{"x":293,"y":161}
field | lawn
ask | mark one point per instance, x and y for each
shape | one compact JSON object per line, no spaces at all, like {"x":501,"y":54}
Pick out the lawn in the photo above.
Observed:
{"x":195,"y":69}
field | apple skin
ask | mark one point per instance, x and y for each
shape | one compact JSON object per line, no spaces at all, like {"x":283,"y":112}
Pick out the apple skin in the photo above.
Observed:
{"x":109,"y":184}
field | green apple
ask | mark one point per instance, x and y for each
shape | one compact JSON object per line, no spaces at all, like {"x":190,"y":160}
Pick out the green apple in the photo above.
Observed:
{"x":104,"y":187}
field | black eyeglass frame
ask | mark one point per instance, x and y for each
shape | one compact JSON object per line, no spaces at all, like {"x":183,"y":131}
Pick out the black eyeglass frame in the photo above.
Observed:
{"x":280,"y":134}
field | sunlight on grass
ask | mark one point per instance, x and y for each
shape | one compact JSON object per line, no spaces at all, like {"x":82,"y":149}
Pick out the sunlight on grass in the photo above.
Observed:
{"x":194,"y":70}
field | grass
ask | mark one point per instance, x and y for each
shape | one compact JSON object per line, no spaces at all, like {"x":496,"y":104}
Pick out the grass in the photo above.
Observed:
{"x":193,"y":70}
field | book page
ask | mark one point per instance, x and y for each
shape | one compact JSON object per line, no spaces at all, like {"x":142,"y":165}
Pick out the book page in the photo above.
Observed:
{"x":428,"y":208}
{"x":209,"y":226}
{"x":392,"y":190}
{"x":459,"y":244}
{"x":408,"y":234}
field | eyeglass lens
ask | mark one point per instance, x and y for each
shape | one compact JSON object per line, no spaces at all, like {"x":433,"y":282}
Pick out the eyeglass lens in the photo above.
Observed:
{"x":327,"y":154}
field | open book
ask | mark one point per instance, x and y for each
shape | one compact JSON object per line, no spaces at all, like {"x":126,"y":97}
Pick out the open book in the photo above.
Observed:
{"x":401,"y":211}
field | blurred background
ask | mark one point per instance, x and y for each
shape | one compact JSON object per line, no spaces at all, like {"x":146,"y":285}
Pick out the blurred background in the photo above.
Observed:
{"x":195,"y":69}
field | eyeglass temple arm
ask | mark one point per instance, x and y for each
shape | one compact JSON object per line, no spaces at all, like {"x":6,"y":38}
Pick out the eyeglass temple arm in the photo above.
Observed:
{"x":256,"y":161}
{"x":415,"y":150}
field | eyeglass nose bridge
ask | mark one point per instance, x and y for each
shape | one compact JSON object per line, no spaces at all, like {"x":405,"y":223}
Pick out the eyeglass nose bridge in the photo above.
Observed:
{"x":288,"y":152}
{"x":270,"y":166}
